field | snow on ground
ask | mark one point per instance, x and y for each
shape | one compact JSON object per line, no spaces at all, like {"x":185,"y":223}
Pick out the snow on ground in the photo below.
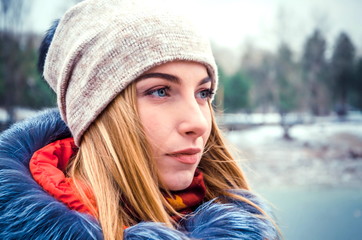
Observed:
{"x":20,"y":114}
{"x":326,"y":153}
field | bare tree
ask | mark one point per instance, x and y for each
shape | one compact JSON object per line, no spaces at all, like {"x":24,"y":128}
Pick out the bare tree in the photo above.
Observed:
{"x":287,"y":80}
{"x":315,"y":73}
{"x":260,"y":67}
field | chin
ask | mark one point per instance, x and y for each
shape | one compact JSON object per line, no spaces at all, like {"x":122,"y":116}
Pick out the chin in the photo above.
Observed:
{"x":178,"y":182}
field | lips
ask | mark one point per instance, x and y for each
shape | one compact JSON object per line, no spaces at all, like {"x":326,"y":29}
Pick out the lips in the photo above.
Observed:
{"x":187,"y":156}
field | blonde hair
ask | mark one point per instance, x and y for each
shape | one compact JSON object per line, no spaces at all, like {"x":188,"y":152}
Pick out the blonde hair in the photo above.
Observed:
{"x":114,"y":162}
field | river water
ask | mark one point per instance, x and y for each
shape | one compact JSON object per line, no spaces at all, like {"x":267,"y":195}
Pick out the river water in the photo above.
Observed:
{"x":317,"y":214}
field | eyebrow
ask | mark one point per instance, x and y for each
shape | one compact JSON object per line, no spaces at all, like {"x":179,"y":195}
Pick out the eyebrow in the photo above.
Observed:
{"x":169,"y":77}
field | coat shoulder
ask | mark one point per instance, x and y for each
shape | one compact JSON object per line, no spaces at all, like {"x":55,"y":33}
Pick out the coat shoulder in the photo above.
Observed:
{"x":26,"y":210}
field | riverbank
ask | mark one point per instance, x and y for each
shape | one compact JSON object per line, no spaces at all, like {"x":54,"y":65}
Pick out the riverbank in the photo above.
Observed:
{"x":319,"y":155}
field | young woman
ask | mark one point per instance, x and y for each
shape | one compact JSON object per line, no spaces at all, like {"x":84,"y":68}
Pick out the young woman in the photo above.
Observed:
{"x":134,"y":151}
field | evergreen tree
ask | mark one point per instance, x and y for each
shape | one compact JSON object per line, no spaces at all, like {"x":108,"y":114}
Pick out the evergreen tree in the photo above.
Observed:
{"x":35,"y":92}
{"x":357,"y":89}
{"x":342,"y":67}
{"x":20,"y":83}
{"x":237,"y":93}
{"x":12,"y":17}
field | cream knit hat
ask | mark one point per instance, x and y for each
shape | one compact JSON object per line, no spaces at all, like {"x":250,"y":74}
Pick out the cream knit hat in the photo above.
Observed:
{"x":100,"y":46}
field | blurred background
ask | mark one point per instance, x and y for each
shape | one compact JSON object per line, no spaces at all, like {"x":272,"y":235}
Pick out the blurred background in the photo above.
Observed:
{"x":289,"y":100}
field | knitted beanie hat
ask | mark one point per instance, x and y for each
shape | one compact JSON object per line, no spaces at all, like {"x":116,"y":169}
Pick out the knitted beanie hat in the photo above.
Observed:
{"x":100,"y":46}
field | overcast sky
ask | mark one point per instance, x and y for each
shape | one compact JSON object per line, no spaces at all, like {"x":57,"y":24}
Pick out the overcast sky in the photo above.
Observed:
{"x":235,"y":23}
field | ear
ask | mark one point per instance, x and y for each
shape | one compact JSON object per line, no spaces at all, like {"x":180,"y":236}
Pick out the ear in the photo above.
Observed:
{"x":44,"y":47}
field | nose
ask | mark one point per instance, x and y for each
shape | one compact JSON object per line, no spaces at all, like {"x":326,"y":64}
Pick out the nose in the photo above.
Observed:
{"x":194,"y":119}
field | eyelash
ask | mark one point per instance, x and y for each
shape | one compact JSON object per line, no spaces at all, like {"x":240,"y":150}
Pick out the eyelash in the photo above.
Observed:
{"x":151,"y":92}
{"x":209,"y":92}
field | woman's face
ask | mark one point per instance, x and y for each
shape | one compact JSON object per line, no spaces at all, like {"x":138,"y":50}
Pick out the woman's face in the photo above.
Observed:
{"x":173,"y":105}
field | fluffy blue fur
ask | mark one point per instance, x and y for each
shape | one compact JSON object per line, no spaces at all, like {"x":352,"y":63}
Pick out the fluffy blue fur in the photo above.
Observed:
{"x":235,"y":220}
{"x":150,"y":230}
{"x":28,"y":212}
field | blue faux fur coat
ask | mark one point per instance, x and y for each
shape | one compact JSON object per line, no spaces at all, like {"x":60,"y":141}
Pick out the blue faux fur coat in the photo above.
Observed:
{"x":28,"y":212}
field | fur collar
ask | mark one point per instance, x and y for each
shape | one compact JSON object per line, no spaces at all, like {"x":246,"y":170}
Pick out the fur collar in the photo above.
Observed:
{"x":28,"y":212}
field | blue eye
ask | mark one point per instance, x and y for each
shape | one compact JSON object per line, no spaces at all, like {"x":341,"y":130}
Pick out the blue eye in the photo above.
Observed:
{"x":160,"y":92}
{"x":205,"y":94}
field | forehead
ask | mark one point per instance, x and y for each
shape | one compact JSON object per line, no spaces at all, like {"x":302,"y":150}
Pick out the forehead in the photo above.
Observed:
{"x":178,"y":72}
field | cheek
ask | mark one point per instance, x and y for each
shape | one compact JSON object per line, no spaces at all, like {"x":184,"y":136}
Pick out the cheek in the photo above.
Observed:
{"x":155,"y":123}
{"x":208,"y":117}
